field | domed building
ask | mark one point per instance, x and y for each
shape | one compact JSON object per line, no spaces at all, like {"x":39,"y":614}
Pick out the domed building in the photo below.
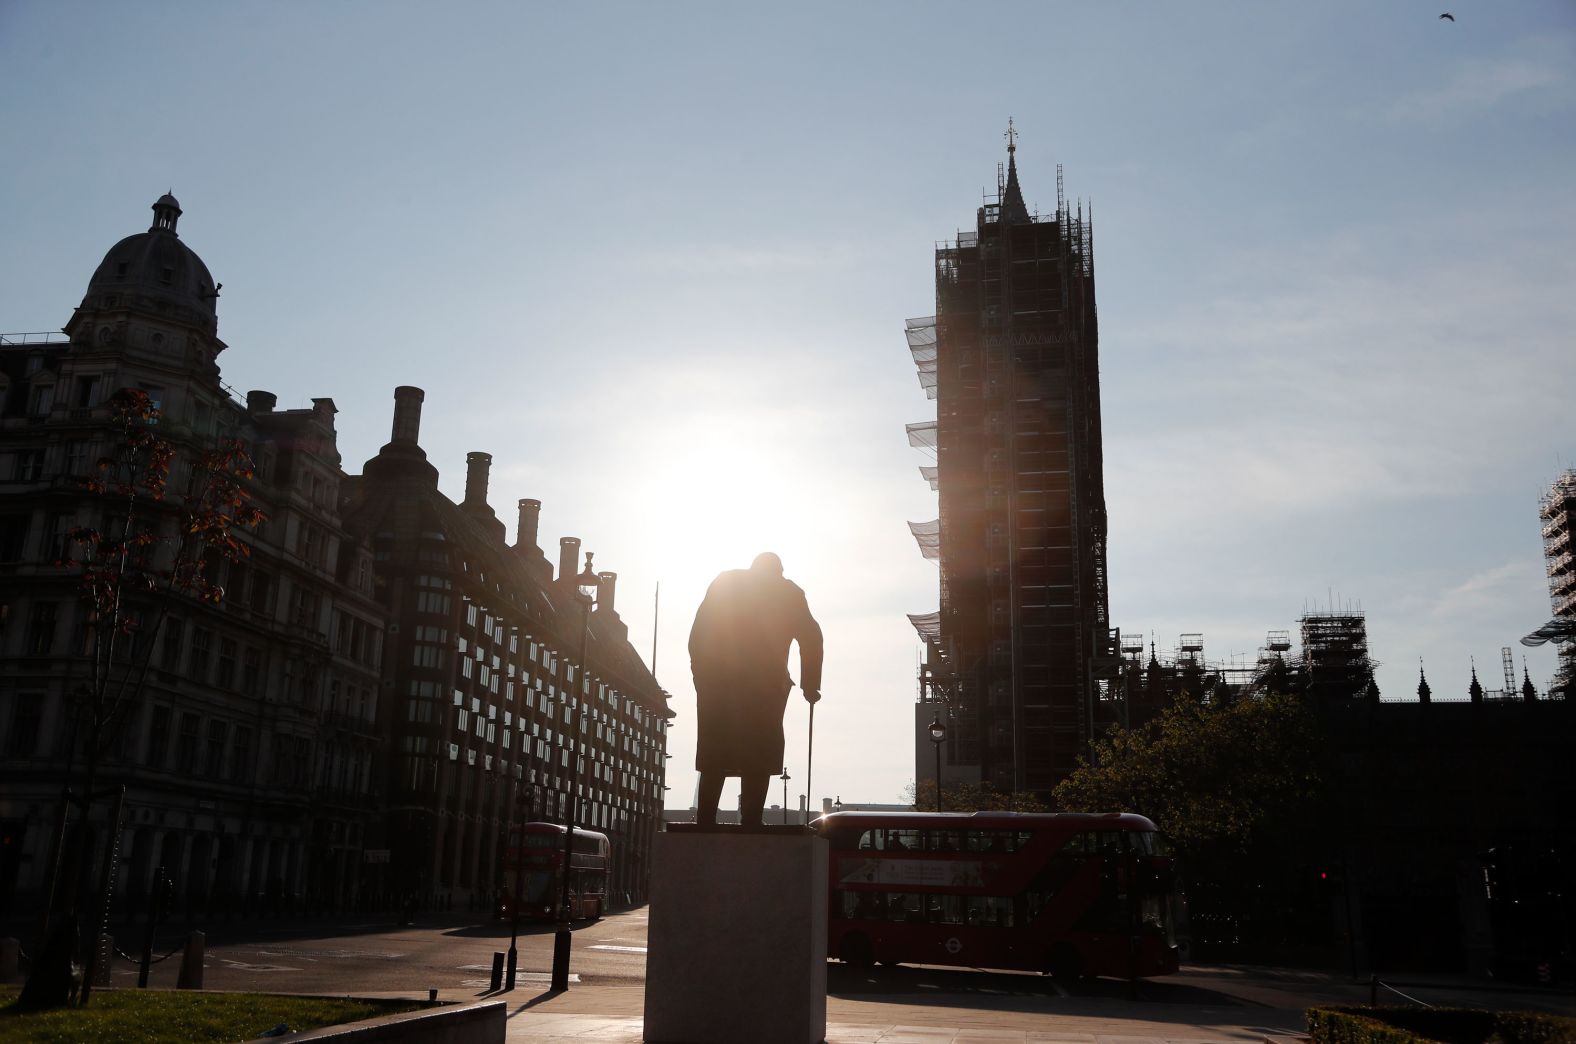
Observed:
{"x":372,"y":706}
{"x":249,"y":751}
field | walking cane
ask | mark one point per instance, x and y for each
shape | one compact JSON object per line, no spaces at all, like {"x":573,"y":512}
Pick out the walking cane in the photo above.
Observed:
{"x":809,"y":769}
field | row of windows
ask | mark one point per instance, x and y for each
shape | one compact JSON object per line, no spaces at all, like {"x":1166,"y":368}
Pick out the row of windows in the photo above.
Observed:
{"x":906,"y":840}
{"x":984,"y":911}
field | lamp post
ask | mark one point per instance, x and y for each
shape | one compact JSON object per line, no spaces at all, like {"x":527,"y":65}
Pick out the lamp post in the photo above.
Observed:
{"x":586,"y":585}
{"x":938,"y":736}
{"x":519,"y":879}
{"x":785,"y":778}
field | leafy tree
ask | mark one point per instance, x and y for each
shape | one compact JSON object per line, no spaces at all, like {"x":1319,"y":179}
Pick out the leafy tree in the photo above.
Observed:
{"x":971,"y":797}
{"x":152,"y":549}
{"x":1208,"y":773}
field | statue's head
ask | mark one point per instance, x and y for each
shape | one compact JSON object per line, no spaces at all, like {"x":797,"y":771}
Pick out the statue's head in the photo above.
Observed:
{"x":767,"y":563}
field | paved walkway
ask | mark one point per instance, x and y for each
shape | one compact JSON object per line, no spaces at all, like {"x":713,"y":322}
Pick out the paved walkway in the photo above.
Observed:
{"x":610,"y":1013}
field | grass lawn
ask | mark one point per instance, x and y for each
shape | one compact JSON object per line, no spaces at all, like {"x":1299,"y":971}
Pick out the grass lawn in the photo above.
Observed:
{"x":149,"y":1016}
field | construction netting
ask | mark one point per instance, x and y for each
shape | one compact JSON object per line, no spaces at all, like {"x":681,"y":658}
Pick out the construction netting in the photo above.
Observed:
{"x":922,"y":434}
{"x":927,"y":624}
{"x":921,"y":335}
{"x":929,"y":473}
{"x":928,"y":536}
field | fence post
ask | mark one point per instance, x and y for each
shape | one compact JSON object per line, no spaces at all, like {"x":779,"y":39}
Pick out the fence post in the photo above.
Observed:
{"x":191,"y":963}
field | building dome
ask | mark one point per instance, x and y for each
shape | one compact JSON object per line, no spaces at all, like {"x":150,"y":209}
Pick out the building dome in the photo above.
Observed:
{"x":155,"y":271}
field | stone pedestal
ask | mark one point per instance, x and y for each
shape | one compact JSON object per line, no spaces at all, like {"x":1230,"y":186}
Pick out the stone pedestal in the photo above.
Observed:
{"x":736,"y":948}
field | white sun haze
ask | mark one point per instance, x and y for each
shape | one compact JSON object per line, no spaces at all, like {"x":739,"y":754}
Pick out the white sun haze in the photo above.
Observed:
{"x":716,"y":480}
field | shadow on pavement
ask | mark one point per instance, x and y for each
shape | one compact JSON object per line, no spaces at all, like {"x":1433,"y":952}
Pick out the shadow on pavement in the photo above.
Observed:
{"x":952,"y":987}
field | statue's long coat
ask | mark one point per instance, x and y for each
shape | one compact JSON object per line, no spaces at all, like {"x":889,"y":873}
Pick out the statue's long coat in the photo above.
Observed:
{"x":739,"y":658}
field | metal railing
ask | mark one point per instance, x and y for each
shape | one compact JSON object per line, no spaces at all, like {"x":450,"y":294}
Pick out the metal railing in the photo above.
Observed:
{"x":33,"y":339}
{"x":1374,"y":984}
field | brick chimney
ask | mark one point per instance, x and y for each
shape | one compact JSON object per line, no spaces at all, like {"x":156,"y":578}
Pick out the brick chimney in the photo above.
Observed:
{"x":407,"y":414}
{"x":525,"y":532}
{"x":568,"y":559}
{"x":477,"y":466}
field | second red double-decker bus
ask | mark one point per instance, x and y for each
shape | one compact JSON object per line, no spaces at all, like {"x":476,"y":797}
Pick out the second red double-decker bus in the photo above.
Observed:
{"x":1068,"y":893}
{"x":533,"y":865}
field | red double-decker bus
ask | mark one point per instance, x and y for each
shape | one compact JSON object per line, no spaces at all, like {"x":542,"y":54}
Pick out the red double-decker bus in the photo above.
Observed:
{"x":534,"y":858}
{"x":1069,"y":893}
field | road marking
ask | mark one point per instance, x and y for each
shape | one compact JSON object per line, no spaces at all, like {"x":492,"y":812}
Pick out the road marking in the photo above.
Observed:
{"x":1061,"y":991}
{"x":618,"y":949}
{"x":526,"y":978}
{"x":243,"y":966}
{"x":346,"y":954}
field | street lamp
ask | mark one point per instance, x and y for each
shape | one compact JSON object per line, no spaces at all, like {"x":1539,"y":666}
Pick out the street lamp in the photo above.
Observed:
{"x":586,"y":586}
{"x":938,"y":736}
{"x":519,"y":882}
{"x":785,"y":778}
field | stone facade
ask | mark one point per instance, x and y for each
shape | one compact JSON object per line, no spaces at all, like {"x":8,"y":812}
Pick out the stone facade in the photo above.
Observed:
{"x":370,"y":704}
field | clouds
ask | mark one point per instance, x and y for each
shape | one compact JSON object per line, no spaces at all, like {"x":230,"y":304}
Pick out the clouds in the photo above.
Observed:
{"x":1475,"y":86}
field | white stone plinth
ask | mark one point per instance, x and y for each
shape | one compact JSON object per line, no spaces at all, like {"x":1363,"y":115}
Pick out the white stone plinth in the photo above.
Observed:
{"x":736,"y":949}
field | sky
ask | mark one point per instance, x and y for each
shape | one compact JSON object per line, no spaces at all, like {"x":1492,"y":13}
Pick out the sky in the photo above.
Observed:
{"x":656,"y":259}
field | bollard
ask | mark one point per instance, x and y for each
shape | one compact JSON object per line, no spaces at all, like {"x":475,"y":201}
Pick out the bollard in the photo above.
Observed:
{"x":432,"y":996}
{"x":191,"y":963}
{"x":10,"y":958}
{"x":101,"y":966}
{"x":497,"y":976}
{"x":1373,"y":990}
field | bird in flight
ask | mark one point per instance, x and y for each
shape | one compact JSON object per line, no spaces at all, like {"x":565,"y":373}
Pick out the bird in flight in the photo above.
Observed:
{"x":1448,"y":15}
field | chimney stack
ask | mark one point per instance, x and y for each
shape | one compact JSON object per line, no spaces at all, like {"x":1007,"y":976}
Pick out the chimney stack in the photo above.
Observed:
{"x":604,"y":591}
{"x":525,"y":533}
{"x":261,"y":401}
{"x":477,"y":465}
{"x":407,"y":414}
{"x":568,"y":556}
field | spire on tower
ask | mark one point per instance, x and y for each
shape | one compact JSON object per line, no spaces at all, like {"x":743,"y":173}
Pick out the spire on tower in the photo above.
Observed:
{"x":1013,"y":210}
{"x":1475,"y":690}
{"x":1424,"y":693}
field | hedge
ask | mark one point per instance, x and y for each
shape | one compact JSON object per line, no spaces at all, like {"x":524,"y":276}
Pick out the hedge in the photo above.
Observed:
{"x":1364,"y":1025}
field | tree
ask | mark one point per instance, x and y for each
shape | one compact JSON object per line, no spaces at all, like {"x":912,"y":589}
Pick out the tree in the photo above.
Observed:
{"x":970,"y":797}
{"x":151,"y":550}
{"x":1207,"y":773}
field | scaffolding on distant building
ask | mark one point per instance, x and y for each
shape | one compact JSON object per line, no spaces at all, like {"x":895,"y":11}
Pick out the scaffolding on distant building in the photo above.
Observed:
{"x":1335,"y":656}
{"x":1557,"y":512}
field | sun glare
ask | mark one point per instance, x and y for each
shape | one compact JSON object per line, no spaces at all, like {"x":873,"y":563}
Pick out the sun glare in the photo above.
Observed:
{"x":719,"y":495}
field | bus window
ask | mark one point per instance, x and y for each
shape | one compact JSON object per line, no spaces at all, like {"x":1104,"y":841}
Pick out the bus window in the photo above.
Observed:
{"x":845,"y":904}
{"x":1152,"y":842}
{"x":902,"y":840}
{"x":944,"y":909}
{"x":905,"y":906}
{"x":998,"y":841}
{"x":870,"y":841}
{"x":988,"y":911}
{"x":1109,"y":842}
{"x":943,"y":841}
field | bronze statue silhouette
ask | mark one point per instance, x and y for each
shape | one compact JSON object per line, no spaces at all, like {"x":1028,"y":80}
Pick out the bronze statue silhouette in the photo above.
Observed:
{"x":739,"y":659}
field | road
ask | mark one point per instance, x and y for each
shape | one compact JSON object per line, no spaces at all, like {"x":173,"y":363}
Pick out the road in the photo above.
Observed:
{"x":452,"y":953}
{"x":366,"y":954}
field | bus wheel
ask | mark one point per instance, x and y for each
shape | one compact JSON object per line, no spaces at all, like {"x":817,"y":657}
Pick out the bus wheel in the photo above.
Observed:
{"x":596,"y":910}
{"x":855,"y":951}
{"x":1063,"y":963}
